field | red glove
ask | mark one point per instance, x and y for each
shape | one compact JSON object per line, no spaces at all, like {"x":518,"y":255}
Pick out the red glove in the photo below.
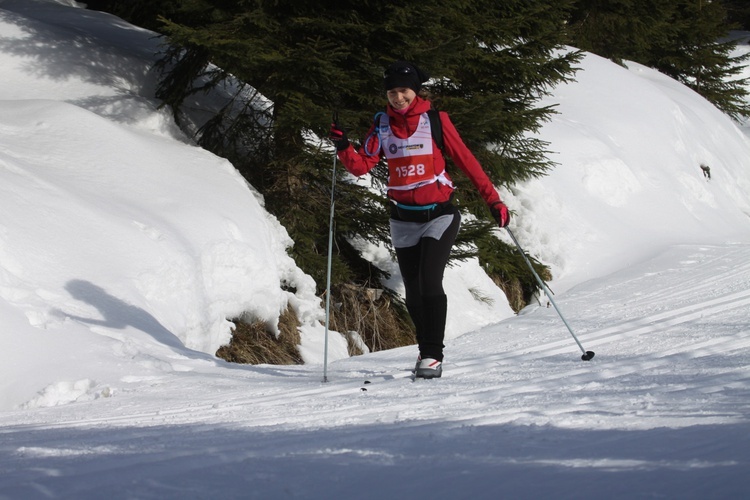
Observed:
{"x":500,"y":212}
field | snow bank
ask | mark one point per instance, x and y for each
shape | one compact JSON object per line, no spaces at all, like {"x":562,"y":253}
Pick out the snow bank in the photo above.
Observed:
{"x":111,"y":212}
{"x":629,"y":144}
{"x":114,"y":226}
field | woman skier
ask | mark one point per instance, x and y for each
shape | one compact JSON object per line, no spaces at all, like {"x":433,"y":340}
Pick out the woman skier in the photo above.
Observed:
{"x":423,"y":221}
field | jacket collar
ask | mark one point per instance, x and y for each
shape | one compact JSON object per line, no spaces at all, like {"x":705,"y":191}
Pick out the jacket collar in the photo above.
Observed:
{"x":418,"y":106}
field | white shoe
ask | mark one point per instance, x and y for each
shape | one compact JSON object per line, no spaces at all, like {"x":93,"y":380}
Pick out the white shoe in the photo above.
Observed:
{"x":429,"y":368}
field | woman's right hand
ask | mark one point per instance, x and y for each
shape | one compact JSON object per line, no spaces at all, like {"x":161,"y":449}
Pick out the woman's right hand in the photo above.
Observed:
{"x":337,"y":135}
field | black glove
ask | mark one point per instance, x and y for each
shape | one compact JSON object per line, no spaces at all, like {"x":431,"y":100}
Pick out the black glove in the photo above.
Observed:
{"x":500,"y":212}
{"x":337,"y":135}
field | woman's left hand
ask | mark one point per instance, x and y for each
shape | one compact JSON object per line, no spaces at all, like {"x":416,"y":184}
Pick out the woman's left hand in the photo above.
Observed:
{"x":500,"y":212}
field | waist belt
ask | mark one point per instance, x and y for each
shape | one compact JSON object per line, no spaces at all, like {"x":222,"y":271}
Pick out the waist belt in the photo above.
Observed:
{"x":420,"y":213}
{"x":431,"y":206}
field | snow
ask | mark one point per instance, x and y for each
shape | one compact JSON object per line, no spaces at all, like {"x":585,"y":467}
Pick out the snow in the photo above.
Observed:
{"x":124,"y":248}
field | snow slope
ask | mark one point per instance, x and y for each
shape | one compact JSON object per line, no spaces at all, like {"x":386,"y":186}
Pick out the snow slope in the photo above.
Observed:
{"x":124,"y":248}
{"x":630,"y":143}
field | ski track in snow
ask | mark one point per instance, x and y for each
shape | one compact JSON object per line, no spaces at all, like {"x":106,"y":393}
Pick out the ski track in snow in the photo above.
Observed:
{"x":512,"y":370}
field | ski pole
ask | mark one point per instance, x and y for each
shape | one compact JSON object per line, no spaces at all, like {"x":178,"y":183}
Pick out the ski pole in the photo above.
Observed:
{"x":587,"y":355}
{"x":328,"y":273}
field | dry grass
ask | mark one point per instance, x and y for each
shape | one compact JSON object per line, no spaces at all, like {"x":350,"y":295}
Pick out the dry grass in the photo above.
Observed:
{"x":372,"y":314}
{"x":513,"y":291}
{"x":253,"y":343}
{"x":379,"y":323}
{"x":518,"y":296}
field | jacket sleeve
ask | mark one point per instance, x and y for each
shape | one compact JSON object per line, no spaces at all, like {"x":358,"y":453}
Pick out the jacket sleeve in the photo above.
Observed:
{"x":359,"y":162}
{"x":466,"y":161}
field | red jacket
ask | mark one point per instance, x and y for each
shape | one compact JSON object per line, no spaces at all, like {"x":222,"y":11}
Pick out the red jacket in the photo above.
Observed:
{"x":358,"y":163}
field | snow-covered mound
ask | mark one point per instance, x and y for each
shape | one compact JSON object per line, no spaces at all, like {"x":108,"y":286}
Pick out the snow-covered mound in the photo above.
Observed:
{"x":630,"y":144}
{"x":117,"y":231}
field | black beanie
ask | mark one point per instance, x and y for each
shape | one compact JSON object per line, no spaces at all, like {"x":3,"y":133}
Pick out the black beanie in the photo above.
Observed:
{"x":404,"y":74}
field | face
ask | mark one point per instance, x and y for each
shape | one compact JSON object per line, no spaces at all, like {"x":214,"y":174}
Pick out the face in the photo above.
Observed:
{"x":401,"y":97}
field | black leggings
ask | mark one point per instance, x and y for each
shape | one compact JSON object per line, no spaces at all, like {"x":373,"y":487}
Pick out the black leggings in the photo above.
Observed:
{"x":422,"y":267}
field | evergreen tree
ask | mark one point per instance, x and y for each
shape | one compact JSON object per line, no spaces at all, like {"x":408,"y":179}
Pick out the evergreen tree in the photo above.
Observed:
{"x":681,"y":38}
{"x":143,"y":13}
{"x":619,"y":29}
{"x":695,"y":55}
{"x":738,"y":13}
{"x":490,"y":62}
{"x":296,"y":54}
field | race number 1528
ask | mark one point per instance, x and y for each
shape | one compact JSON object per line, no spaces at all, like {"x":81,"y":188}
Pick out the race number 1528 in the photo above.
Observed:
{"x":411,"y":170}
